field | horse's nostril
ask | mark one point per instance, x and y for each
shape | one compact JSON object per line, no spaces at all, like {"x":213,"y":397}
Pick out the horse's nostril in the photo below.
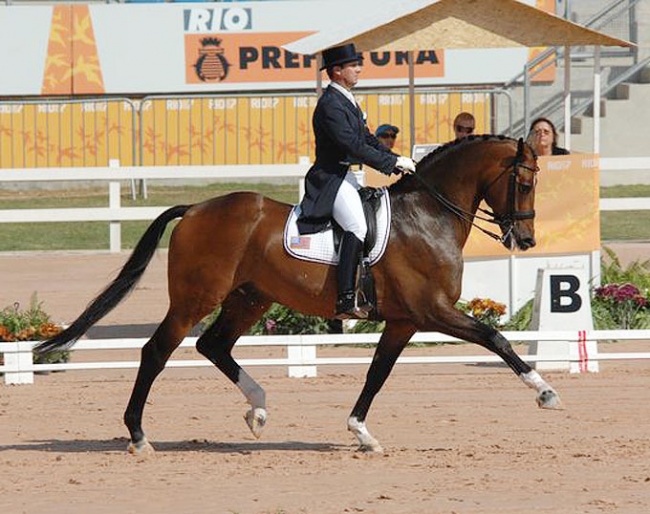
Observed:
{"x":527,"y":242}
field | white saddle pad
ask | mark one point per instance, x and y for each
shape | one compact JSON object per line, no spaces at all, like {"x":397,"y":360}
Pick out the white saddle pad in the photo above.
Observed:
{"x":319,"y":247}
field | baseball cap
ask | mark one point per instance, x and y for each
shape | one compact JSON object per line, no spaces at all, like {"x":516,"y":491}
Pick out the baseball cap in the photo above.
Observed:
{"x":386,"y":128}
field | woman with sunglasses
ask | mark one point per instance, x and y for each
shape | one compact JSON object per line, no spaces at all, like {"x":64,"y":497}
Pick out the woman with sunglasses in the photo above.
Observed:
{"x":543,"y":138}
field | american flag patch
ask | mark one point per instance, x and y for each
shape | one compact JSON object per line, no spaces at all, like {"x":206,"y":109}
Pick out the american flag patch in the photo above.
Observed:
{"x":300,"y":242}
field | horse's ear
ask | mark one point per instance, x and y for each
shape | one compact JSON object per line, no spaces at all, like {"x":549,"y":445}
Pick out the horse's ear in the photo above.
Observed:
{"x":520,"y":147}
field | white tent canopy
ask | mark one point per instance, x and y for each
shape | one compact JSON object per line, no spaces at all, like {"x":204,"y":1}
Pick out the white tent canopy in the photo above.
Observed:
{"x":422,"y":24}
{"x":410,"y":25}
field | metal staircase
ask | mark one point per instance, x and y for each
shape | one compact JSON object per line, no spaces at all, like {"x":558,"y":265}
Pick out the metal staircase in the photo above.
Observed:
{"x":619,"y":66}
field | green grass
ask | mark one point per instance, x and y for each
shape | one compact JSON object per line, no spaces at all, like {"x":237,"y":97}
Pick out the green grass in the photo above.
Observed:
{"x":625,"y":225}
{"x":615,"y":226}
{"x":95,"y":235}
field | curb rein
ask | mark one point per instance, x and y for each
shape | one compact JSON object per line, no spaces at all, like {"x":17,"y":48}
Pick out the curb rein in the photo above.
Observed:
{"x":505,"y":222}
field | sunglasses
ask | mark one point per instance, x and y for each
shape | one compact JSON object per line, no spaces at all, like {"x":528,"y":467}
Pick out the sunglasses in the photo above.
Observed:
{"x":468,"y":130}
{"x":387,"y":134}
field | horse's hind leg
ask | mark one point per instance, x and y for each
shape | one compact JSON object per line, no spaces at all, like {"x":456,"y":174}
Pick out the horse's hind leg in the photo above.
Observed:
{"x":395,"y":337}
{"x":241,"y":309}
{"x":154,"y":356}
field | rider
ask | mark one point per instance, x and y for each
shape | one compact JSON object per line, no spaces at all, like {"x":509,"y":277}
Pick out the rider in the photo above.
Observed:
{"x":343,"y":139}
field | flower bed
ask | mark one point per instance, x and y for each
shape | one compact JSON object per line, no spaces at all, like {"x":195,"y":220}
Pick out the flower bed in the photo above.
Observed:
{"x":32,"y":324}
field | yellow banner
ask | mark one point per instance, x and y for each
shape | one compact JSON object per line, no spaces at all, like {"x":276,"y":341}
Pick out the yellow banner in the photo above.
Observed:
{"x":567,"y":212}
{"x":217,"y":130}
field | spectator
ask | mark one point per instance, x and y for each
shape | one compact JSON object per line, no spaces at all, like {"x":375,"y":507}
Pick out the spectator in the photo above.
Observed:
{"x":342,"y":138}
{"x":543,"y":138}
{"x":386,"y":134}
{"x":464,"y":125}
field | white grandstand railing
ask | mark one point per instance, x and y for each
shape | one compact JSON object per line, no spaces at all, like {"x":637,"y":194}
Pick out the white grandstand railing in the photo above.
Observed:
{"x":301,"y":351}
{"x":115,"y":213}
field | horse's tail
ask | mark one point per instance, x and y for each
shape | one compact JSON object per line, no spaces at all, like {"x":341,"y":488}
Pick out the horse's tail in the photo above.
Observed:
{"x":117,"y":290}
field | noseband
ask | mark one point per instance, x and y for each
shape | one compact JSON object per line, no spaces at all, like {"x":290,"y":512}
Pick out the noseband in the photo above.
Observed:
{"x":506,"y":221}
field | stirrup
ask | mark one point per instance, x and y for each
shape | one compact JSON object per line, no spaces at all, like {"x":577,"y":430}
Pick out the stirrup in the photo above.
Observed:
{"x":347,"y":307}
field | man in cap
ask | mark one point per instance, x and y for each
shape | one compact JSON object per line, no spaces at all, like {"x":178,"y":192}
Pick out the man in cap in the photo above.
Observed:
{"x":342,"y":138}
{"x":464,"y":125}
{"x":386,"y":134}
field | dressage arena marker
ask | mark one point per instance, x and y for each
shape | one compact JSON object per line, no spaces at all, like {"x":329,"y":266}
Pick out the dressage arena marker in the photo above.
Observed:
{"x":562,"y":302}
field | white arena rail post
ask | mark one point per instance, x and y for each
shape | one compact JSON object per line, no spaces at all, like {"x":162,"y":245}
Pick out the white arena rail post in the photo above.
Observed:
{"x":114,"y":202}
{"x":299,"y":353}
{"x":18,"y":362}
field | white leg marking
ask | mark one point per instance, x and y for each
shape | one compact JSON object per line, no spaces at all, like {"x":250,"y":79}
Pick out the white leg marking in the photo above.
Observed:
{"x":255,"y":417}
{"x":251,"y":390}
{"x":367,"y":443}
{"x":533,"y":380}
{"x":547,"y":398}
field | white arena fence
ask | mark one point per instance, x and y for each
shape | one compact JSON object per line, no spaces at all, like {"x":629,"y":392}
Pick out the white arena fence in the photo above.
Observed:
{"x":301,"y":352}
{"x":114,"y":213}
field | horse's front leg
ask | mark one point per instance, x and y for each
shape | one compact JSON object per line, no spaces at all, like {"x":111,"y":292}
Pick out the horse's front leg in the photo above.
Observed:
{"x":458,"y":324}
{"x":395,"y":337}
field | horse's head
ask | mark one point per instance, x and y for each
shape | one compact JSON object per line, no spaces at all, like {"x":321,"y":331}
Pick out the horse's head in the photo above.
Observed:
{"x":510,"y":192}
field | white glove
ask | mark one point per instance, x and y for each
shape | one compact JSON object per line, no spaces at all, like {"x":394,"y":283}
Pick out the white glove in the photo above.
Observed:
{"x":405,"y":164}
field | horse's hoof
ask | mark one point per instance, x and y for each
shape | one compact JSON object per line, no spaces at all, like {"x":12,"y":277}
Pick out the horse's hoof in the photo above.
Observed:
{"x":141,"y":449}
{"x":370,"y":447}
{"x":256,"y":419}
{"x":549,"y":399}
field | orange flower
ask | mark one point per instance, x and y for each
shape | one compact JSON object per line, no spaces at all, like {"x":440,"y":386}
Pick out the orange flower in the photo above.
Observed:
{"x":5,"y":335}
{"x":47,"y":330}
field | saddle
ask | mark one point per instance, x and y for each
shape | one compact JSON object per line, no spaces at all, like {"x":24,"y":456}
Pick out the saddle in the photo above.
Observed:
{"x":323,"y":247}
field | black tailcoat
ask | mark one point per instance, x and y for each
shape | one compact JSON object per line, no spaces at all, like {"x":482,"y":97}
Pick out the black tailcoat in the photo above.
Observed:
{"x":342,"y":138}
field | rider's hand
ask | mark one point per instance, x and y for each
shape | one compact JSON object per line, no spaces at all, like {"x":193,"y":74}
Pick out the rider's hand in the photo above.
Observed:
{"x":405,"y":164}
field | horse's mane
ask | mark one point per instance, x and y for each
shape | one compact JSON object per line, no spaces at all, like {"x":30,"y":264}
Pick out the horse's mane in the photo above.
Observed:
{"x":432,"y":157}
{"x":459,"y":143}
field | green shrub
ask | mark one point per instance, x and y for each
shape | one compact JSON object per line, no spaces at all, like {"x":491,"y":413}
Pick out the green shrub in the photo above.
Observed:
{"x":622,"y":302}
{"x":520,"y":320}
{"x":612,"y":272}
{"x":282,"y":320}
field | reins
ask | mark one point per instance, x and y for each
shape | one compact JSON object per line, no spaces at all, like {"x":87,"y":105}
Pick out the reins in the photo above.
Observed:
{"x":506,"y":222}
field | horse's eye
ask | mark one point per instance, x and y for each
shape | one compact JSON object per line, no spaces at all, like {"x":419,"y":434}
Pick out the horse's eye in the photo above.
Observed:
{"x":524,"y":189}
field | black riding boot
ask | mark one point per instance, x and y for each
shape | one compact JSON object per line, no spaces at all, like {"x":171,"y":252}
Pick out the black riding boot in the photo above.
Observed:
{"x":346,"y":274}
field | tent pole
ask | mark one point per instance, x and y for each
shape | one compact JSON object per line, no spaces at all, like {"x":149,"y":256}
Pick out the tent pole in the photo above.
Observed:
{"x":596,"y":108}
{"x":527,"y":113}
{"x":411,"y":60}
{"x":567,"y":97}
{"x":319,"y":76}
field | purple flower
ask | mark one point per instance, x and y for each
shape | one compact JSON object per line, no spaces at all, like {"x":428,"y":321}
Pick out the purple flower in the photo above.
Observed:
{"x":270,"y":326}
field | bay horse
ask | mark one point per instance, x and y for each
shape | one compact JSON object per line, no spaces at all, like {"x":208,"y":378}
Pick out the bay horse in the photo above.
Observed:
{"x":228,"y":252}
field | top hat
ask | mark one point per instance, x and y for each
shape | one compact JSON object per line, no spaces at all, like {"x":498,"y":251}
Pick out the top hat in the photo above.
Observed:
{"x":338,"y":55}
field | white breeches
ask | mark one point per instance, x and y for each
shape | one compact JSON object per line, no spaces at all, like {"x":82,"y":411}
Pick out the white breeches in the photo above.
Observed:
{"x":347,"y":210}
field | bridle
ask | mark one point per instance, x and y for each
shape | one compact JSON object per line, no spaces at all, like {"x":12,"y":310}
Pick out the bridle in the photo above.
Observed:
{"x":506,"y":221}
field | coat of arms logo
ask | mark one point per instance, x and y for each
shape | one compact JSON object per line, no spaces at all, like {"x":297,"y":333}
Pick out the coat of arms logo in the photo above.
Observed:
{"x":211,"y":64}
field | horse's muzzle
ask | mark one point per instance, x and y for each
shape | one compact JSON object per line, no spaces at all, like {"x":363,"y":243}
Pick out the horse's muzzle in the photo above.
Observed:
{"x":525,"y":243}
{"x":515,"y":239}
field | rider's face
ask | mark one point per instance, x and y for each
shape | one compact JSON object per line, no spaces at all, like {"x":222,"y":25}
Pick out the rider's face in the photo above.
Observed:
{"x":349,"y":74}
